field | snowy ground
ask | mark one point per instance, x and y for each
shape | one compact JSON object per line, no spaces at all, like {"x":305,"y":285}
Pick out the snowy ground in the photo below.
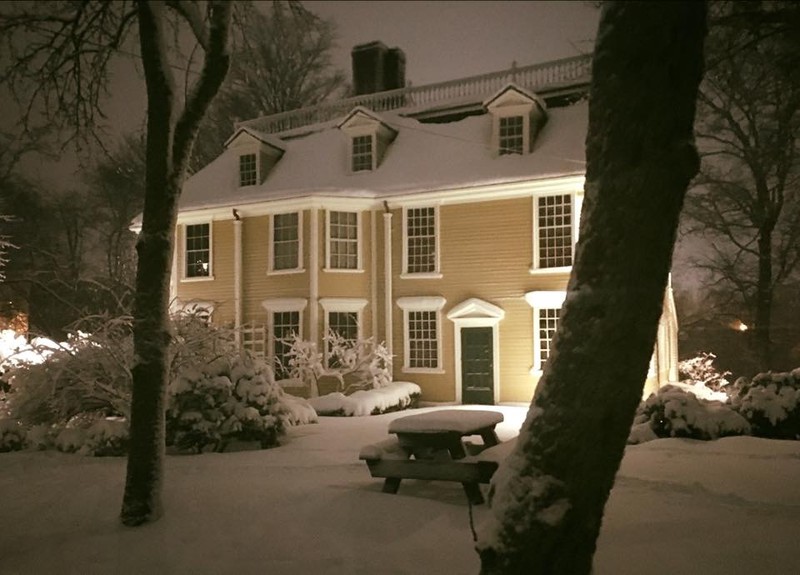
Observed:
{"x":310,"y":507}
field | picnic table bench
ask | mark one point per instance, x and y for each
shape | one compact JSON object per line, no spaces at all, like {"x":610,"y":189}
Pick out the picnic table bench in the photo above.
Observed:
{"x":431,"y":446}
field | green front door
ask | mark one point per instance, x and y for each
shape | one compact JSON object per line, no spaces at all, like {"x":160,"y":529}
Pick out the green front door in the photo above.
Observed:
{"x":477,"y":365}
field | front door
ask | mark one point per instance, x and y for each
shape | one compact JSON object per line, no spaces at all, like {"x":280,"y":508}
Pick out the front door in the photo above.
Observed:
{"x":477,"y":366}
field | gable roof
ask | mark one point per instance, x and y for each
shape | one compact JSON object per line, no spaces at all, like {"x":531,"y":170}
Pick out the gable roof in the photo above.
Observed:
{"x":262,"y":137}
{"x":424,"y":158}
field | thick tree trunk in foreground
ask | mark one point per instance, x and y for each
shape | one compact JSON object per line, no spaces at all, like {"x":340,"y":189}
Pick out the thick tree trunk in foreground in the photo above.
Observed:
{"x":547,"y":498}
{"x":169,"y":144}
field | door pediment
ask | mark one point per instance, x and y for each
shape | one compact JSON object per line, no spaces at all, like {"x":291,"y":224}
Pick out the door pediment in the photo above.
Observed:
{"x":475,"y":308}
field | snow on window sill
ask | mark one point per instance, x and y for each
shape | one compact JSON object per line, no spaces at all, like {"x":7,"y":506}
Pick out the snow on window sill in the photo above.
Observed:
{"x":285,"y":272}
{"x":550,"y":271}
{"x":343,"y":271}
{"x":438,"y":371}
{"x":421,"y":276}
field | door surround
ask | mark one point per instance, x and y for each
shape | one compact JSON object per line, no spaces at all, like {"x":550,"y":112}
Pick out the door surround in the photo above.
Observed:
{"x":476,"y":312}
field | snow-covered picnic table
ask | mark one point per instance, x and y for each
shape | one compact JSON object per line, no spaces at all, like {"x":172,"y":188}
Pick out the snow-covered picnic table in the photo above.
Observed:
{"x":430,"y":446}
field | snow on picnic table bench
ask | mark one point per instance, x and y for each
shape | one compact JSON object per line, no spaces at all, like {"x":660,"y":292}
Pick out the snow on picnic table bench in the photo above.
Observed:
{"x":448,"y":420}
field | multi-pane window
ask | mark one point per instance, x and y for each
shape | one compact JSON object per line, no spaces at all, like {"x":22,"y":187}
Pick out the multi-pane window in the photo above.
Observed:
{"x":362,"y":153}
{"x":343,"y":244}
{"x":284,"y":324}
{"x":248,"y":172}
{"x":548,"y":324}
{"x":423,"y":340}
{"x":554,"y":228}
{"x":254,"y":339}
{"x":343,"y":324}
{"x":511,"y":135}
{"x":421,"y":240}
{"x":286,"y":241}
{"x":198,"y":250}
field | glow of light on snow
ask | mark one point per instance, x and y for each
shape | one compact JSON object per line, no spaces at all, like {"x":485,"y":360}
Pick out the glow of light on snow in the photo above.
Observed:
{"x":310,"y":506}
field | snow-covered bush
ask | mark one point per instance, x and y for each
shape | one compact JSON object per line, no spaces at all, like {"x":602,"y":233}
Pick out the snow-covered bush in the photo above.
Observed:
{"x":354,"y":364}
{"x":231,"y":398}
{"x":392,"y":397}
{"x":674,"y":412}
{"x":771,"y":403}
{"x":12,"y":435}
{"x":701,"y":370}
{"x":88,"y":373}
{"x":700,"y":377}
{"x":106,"y":437}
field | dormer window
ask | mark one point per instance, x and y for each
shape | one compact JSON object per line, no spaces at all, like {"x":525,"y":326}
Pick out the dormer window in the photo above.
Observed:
{"x":255,"y":154}
{"x":511,"y":135}
{"x":517,"y":116}
{"x":248,"y":170}
{"x":361,"y":156}
{"x":368,"y":136}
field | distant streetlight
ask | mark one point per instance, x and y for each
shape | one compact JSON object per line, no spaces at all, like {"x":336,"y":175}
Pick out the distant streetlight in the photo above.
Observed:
{"x":740,"y":326}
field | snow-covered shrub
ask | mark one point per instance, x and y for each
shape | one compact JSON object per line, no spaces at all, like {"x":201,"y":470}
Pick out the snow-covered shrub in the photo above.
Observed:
{"x":88,"y":373}
{"x":354,"y":364}
{"x":771,"y":403}
{"x":12,"y":435}
{"x":700,"y":377}
{"x":393,"y":397}
{"x":196,"y":405}
{"x":674,"y":412}
{"x":70,"y":439}
{"x":291,"y":410}
{"x":231,"y":398}
{"x":701,"y":370}
{"x":41,"y":437}
{"x":106,"y":437}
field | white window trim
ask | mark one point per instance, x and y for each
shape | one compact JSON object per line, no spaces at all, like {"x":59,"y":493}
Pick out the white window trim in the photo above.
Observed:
{"x":422,"y":303}
{"x":526,"y":128}
{"x":343,"y":305}
{"x":359,"y":237}
{"x":239,"y":167}
{"x":541,"y":300}
{"x":523,"y":110}
{"x":271,"y":257}
{"x":210,"y":276}
{"x":278,"y":305}
{"x":436,"y":274}
{"x":372,"y":132}
{"x":577,"y":206}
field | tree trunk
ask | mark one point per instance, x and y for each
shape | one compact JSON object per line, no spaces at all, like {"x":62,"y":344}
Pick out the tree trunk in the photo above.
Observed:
{"x":548,"y":497}
{"x":169,"y":144}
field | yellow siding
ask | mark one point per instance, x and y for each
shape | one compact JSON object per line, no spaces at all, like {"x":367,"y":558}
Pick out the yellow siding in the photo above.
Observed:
{"x":486,"y":252}
{"x":219,"y":289}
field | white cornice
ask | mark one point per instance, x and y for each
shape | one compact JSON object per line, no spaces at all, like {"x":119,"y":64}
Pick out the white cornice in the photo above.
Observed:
{"x":490,"y":192}
{"x":461,"y":195}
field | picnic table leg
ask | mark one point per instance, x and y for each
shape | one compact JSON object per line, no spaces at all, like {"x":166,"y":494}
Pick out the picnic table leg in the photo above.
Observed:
{"x":473,"y":492}
{"x":391,"y":484}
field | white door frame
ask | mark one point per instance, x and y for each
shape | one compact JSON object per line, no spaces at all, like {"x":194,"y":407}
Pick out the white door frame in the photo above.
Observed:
{"x":476,"y":312}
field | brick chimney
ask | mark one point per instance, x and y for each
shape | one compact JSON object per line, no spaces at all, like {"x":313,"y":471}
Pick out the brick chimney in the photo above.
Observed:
{"x":377,"y":68}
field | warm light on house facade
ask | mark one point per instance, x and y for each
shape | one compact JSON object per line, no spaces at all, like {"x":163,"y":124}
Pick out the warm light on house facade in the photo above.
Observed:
{"x":441,"y":220}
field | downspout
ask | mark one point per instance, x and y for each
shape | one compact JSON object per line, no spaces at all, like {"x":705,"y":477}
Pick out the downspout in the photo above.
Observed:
{"x":237,"y":278}
{"x":373,"y":271}
{"x":173,"y":278}
{"x":387,"y":275}
{"x":313,"y":278}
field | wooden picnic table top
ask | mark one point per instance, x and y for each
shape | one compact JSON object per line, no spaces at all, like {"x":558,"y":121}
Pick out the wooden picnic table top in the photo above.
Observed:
{"x":461,"y":421}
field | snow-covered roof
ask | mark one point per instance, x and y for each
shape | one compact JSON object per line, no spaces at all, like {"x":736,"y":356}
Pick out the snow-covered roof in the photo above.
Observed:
{"x":424,"y":158}
{"x":262,"y":137}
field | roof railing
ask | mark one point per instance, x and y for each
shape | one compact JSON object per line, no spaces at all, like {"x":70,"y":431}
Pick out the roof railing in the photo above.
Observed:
{"x":536,"y":78}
